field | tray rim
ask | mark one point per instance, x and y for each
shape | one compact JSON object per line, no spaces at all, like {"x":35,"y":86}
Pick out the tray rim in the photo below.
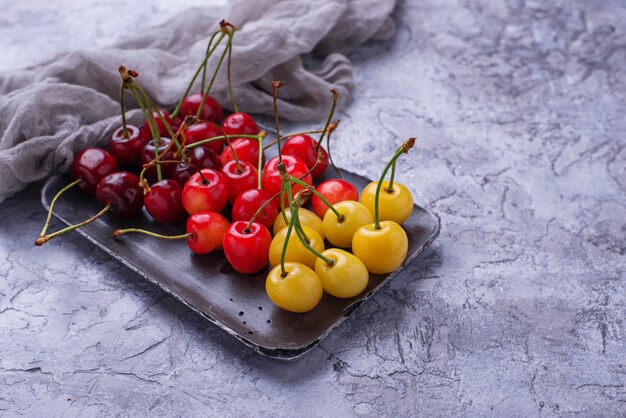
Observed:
{"x":273,"y":353}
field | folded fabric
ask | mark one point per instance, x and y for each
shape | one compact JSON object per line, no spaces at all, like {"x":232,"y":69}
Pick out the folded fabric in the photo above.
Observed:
{"x":50,"y":111}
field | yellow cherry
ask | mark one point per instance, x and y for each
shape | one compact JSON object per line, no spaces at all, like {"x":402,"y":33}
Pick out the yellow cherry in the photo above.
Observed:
{"x":395,"y":205}
{"x":300,"y":290}
{"x":346,"y":277}
{"x":381,"y":250}
{"x":340,"y":233}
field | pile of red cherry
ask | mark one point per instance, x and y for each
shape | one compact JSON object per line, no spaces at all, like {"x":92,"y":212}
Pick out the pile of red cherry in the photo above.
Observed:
{"x":193,"y":163}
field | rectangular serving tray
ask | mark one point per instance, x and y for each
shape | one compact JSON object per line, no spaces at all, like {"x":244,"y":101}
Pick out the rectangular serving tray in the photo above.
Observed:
{"x":207,"y":284}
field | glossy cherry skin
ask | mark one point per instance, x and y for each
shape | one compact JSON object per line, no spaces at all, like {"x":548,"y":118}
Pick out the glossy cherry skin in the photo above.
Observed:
{"x":239,"y":181}
{"x":249,"y":202}
{"x":164,"y":202}
{"x":247,"y":150}
{"x":92,"y":164}
{"x":206,"y":193}
{"x":271,"y":178}
{"x":160,"y":125}
{"x":335,"y":191}
{"x":346,"y":277}
{"x":207,"y":229}
{"x":148,"y":154}
{"x":381,"y":250}
{"x":121,"y":190}
{"x":127,"y":149}
{"x":201,"y":131}
{"x":303,"y":147}
{"x":211,"y":110}
{"x":299,"y":291}
{"x":240,"y":124}
{"x":247,"y":250}
{"x":199,"y":157}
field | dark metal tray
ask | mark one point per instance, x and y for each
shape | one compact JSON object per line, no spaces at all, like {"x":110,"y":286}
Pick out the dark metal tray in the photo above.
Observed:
{"x":207,"y":284}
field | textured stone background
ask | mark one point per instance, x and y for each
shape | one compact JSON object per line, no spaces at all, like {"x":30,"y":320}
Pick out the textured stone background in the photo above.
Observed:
{"x":517,"y":310}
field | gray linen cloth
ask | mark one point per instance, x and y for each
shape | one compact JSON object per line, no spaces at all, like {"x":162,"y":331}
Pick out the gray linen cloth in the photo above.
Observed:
{"x":50,"y":111}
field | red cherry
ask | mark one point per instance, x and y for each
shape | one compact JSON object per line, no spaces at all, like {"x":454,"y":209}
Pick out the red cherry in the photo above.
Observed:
{"x":205,"y":191}
{"x":212,"y":110}
{"x":159,"y":123}
{"x":121,"y":190}
{"x":247,"y":204}
{"x":164,"y":202}
{"x":201,"y":131}
{"x":92,"y":164}
{"x":207,"y":229}
{"x":148,"y":154}
{"x":199,"y":157}
{"x":247,"y":250}
{"x":240,"y":124}
{"x":334,"y":191}
{"x":247,"y":150}
{"x":271,"y":178}
{"x":303,"y":147}
{"x":239,"y":181}
{"x":127,"y":150}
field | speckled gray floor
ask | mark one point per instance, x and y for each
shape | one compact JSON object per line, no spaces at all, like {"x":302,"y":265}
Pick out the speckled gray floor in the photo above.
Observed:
{"x":518,"y":310}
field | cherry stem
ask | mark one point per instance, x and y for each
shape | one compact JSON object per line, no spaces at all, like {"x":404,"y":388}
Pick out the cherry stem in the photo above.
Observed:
{"x":157,"y":111}
{"x":260,"y":139}
{"x":54,"y":199}
{"x":119,"y":232}
{"x":42,"y":240}
{"x":297,"y":202}
{"x":314,"y":131}
{"x":275,"y":86}
{"x":230,"y":55}
{"x":217,"y":138}
{"x":330,"y":155}
{"x":200,"y":68}
{"x":156,"y":135}
{"x":330,"y":116}
{"x":189,"y":120}
{"x":283,"y":272}
{"x":404,"y":148}
{"x":340,"y":216}
{"x":308,"y":246}
{"x":389,"y":188}
{"x":217,"y":69}
{"x":124,"y":130}
{"x":204,"y":64}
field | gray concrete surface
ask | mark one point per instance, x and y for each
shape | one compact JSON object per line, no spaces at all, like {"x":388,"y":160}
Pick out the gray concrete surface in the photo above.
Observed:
{"x":518,"y":310}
